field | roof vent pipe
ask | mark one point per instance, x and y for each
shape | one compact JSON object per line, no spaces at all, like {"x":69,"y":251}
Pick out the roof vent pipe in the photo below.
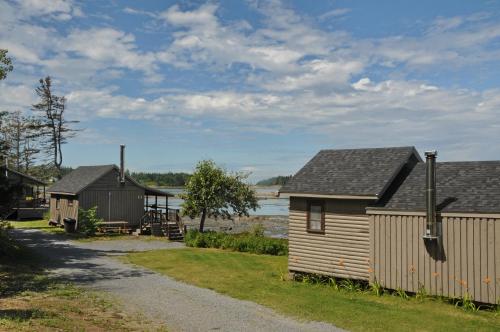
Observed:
{"x":430,"y":196}
{"x":122,"y":163}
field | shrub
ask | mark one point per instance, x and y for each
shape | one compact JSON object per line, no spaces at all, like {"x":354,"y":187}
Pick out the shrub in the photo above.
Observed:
{"x":257,"y":230}
{"x":88,"y":222}
{"x":247,"y":242}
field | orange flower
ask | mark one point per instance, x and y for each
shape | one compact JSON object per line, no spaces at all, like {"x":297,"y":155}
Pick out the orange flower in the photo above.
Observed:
{"x":370,"y":270}
{"x":435,"y":274}
{"x":412,"y":269}
{"x":341,"y":262}
{"x":487,"y":280}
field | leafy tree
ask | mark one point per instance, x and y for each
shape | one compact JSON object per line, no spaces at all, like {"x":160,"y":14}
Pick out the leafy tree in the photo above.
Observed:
{"x":213,"y":192}
{"x":5,"y":64}
{"x":53,"y":121}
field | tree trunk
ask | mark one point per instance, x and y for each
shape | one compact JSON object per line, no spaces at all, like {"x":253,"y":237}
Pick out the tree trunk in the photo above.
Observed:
{"x":202,"y":221}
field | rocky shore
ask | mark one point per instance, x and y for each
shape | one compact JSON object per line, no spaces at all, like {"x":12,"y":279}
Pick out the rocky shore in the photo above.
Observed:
{"x":274,"y":226}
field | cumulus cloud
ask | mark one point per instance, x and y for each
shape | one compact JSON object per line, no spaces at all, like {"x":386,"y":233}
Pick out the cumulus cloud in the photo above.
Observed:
{"x":295,"y":77}
{"x":62,"y":10}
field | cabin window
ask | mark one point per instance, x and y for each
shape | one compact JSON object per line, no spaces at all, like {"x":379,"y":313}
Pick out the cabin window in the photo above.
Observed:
{"x":58,"y":203}
{"x":70,"y":202}
{"x":316,"y":217}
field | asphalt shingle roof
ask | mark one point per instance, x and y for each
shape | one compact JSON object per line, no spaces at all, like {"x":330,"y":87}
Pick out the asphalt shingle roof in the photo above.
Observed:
{"x":79,"y":179}
{"x":27,"y":177}
{"x":460,"y":187}
{"x":356,"y":172}
{"x":83,"y":176}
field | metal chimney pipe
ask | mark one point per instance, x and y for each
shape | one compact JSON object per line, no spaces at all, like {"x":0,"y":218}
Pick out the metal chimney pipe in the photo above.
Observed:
{"x":430,"y":195}
{"x":122,"y":163}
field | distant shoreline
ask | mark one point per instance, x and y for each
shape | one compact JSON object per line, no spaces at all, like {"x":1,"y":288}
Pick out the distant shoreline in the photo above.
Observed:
{"x":260,"y":195}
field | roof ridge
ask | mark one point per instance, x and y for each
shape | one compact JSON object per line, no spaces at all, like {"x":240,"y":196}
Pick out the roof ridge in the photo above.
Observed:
{"x":377,"y":148}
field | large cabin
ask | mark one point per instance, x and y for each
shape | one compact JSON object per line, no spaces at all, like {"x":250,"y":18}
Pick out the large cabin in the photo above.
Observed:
{"x":365,"y":214}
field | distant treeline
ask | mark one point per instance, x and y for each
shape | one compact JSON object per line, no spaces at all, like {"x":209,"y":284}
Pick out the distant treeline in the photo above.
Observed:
{"x":161,"y":179}
{"x":275,"y":181}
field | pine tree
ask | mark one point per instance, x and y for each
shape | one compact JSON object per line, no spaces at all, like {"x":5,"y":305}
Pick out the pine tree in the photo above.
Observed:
{"x":52,"y":119}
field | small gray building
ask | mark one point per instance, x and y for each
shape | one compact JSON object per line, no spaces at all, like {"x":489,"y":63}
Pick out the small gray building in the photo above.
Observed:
{"x":118,"y":197}
{"x":384,"y":215}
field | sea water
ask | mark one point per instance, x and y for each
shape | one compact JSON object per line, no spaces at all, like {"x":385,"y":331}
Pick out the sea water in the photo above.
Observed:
{"x":272,"y":206}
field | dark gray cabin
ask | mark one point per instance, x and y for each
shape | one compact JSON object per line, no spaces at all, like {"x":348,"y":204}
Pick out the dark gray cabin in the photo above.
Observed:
{"x":118,"y":197}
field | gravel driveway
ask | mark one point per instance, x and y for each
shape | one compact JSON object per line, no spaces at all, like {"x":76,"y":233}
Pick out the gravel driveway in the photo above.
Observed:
{"x":181,"y":306}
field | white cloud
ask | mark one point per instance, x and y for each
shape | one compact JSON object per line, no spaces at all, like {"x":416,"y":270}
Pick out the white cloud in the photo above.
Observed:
{"x":204,"y":16}
{"x":57,"y":9}
{"x":334,"y":13}
{"x":296,"y":77}
{"x":16,"y":97}
{"x":111,"y":47}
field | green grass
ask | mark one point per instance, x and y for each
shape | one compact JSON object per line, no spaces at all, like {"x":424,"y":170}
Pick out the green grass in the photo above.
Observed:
{"x":32,"y":301}
{"x":43,"y":225}
{"x":258,"y":278}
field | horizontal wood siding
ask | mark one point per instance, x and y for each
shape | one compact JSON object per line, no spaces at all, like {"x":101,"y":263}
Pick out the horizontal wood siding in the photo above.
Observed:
{"x":466,"y":260}
{"x":64,"y":210}
{"x":342,"y":251}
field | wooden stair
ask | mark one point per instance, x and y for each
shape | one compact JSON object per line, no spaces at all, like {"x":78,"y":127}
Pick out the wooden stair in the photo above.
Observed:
{"x":162,"y":224}
{"x":173,"y":231}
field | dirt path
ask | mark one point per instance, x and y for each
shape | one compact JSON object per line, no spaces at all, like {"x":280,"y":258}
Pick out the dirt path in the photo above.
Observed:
{"x":183,"y":307}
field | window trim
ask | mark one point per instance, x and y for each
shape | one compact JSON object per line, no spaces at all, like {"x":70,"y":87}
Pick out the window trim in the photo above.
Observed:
{"x":308,"y":226}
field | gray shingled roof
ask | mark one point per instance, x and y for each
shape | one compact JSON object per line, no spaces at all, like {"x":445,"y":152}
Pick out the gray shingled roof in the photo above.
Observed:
{"x":356,"y":172}
{"x":79,"y":179}
{"x":27,"y":177}
{"x":83,"y":176}
{"x":461,"y":187}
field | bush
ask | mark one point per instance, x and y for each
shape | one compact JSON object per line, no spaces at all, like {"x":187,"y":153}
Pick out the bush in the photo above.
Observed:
{"x":247,"y":242}
{"x":88,"y":222}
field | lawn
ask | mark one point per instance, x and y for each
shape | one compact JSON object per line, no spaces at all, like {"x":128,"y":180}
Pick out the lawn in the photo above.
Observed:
{"x":31,"y":301}
{"x":258,"y":278}
{"x":40,"y":224}
{"x":43,"y":225}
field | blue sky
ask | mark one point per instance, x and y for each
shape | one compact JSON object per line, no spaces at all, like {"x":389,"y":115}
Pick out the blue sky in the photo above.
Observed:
{"x":260,"y":86}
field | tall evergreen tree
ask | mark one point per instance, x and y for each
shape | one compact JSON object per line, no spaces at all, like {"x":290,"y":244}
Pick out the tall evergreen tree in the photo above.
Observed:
{"x":52,"y":119}
{"x":21,"y":134}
